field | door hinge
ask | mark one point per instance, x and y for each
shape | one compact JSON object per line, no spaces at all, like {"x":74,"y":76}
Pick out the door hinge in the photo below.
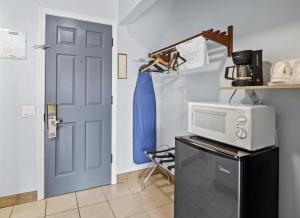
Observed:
{"x":111,"y":158}
{"x":112,"y":42}
{"x":112,"y":100}
{"x":44,"y":118}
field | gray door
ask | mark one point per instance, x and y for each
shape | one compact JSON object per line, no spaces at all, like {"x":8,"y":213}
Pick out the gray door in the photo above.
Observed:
{"x":78,"y":81}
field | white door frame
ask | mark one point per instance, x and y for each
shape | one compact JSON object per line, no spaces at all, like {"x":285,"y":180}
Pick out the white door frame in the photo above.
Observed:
{"x":41,"y":90}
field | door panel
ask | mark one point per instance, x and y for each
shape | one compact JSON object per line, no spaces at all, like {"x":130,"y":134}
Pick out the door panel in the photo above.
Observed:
{"x":78,"y":80}
{"x":94,"y":136}
{"x":93,"y":80}
{"x":94,"y":39}
{"x":65,"y":79}
{"x":65,"y":149}
{"x":66,"y":35}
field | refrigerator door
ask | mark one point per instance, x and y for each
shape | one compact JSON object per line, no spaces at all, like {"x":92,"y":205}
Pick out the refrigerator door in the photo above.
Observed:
{"x":206,"y":183}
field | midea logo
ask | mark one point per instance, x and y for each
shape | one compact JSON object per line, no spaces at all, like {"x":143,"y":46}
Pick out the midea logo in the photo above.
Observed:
{"x":222,"y":169}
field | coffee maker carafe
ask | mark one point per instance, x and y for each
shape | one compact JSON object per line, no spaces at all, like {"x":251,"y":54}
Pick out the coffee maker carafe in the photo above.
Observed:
{"x":247,"y":70}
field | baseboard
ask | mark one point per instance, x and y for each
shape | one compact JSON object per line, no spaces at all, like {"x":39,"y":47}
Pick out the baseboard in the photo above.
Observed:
{"x":135,"y":167}
{"x":142,"y":173}
{"x":22,"y":198}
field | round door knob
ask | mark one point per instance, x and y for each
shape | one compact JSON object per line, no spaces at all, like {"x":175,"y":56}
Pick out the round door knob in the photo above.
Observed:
{"x":241,"y":133}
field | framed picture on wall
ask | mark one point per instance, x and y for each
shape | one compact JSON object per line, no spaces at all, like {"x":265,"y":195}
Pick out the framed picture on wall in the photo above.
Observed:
{"x":122,"y":66}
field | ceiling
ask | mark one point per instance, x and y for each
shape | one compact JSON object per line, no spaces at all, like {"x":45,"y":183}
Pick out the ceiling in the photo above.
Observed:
{"x":164,"y":21}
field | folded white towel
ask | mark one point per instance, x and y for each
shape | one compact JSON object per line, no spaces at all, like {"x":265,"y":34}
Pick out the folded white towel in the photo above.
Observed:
{"x":195,"y":52}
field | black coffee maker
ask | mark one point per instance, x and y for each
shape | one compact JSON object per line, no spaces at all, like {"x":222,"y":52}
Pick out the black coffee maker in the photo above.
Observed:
{"x":248,"y":68}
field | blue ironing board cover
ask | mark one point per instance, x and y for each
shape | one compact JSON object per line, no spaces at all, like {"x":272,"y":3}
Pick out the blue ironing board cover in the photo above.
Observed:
{"x":144,"y":118}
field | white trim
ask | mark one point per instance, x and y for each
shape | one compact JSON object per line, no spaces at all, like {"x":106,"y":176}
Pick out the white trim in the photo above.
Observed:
{"x":41,"y":89}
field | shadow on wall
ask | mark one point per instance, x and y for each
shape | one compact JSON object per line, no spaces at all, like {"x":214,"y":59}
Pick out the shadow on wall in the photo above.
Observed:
{"x":149,"y":28}
{"x":178,"y":89}
{"x":287,"y":106}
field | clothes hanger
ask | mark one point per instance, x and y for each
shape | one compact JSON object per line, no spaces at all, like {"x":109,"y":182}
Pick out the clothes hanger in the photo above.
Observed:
{"x":155,"y":64}
{"x":148,"y":66}
{"x":169,"y":61}
{"x":174,"y":64}
{"x":181,"y":58}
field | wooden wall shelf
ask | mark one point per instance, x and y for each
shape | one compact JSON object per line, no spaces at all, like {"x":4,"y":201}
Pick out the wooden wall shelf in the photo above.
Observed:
{"x":265,"y":87}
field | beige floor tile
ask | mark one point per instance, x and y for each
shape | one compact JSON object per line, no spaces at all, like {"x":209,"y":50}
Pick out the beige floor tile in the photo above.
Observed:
{"x":135,"y":185}
{"x":167,"y":189}
{"x":32,"y":210}
{"x":90,"y":196}
{"x":152,"y":198}
{"x":125,"y":206}
{"x":101,"y":210}
{"x":66,"y":214}
{"x":61,"y":203}
{"x":142,"y":215}
{"x":115,"y":191}
{"x":5,"y":212}
{"x":166,"y":211}
{"x":161,"y":182}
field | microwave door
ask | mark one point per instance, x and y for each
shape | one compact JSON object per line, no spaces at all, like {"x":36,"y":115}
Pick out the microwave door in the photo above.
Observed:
{"x":213,"y":123}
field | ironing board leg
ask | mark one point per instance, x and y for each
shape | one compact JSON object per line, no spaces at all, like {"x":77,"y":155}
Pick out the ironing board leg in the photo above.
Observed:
{"x":147,"y":178}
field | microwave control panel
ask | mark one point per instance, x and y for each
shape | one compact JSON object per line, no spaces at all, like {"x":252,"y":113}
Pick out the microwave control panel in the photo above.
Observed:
{"x":241,"y":125}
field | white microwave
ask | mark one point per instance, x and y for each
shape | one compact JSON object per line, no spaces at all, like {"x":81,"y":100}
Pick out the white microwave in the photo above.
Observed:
{"x":250,"y":127}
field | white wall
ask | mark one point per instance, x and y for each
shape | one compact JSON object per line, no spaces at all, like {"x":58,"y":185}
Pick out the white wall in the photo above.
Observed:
{"x":134,"y":50}
{"x":287,"y":106}
{"x":179,"y":89}
{"x":137,"y":40}
{"x":18,"y":86}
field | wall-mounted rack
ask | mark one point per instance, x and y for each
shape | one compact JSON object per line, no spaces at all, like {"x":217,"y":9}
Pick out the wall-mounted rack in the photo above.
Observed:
{"x":223,"y":38}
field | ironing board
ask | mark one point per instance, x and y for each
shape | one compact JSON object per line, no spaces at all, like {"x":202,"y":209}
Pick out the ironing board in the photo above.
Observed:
{"x":144,"y":118}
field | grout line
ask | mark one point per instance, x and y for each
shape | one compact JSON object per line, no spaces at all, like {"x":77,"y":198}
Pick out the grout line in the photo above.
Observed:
{"x":77,"y":204}
{"x":11,"y":211}
{"x":93,"y":204}
{"x":46,"y":200}
{"x":62,"y":212}
{"x":137,"y":200}
{"x":111,"y":209}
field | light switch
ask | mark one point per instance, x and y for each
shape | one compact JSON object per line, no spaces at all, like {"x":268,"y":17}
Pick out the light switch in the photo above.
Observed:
{"x":28,"y":111}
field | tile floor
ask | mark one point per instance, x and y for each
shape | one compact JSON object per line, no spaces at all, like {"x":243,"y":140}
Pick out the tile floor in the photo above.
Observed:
{"x":125,"y":199}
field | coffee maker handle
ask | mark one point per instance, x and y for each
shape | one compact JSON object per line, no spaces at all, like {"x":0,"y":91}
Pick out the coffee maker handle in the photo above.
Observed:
{"x":227,"y":73}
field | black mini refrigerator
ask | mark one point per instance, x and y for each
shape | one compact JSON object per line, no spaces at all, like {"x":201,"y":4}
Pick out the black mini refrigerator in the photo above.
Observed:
{"x":216,"y":180}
